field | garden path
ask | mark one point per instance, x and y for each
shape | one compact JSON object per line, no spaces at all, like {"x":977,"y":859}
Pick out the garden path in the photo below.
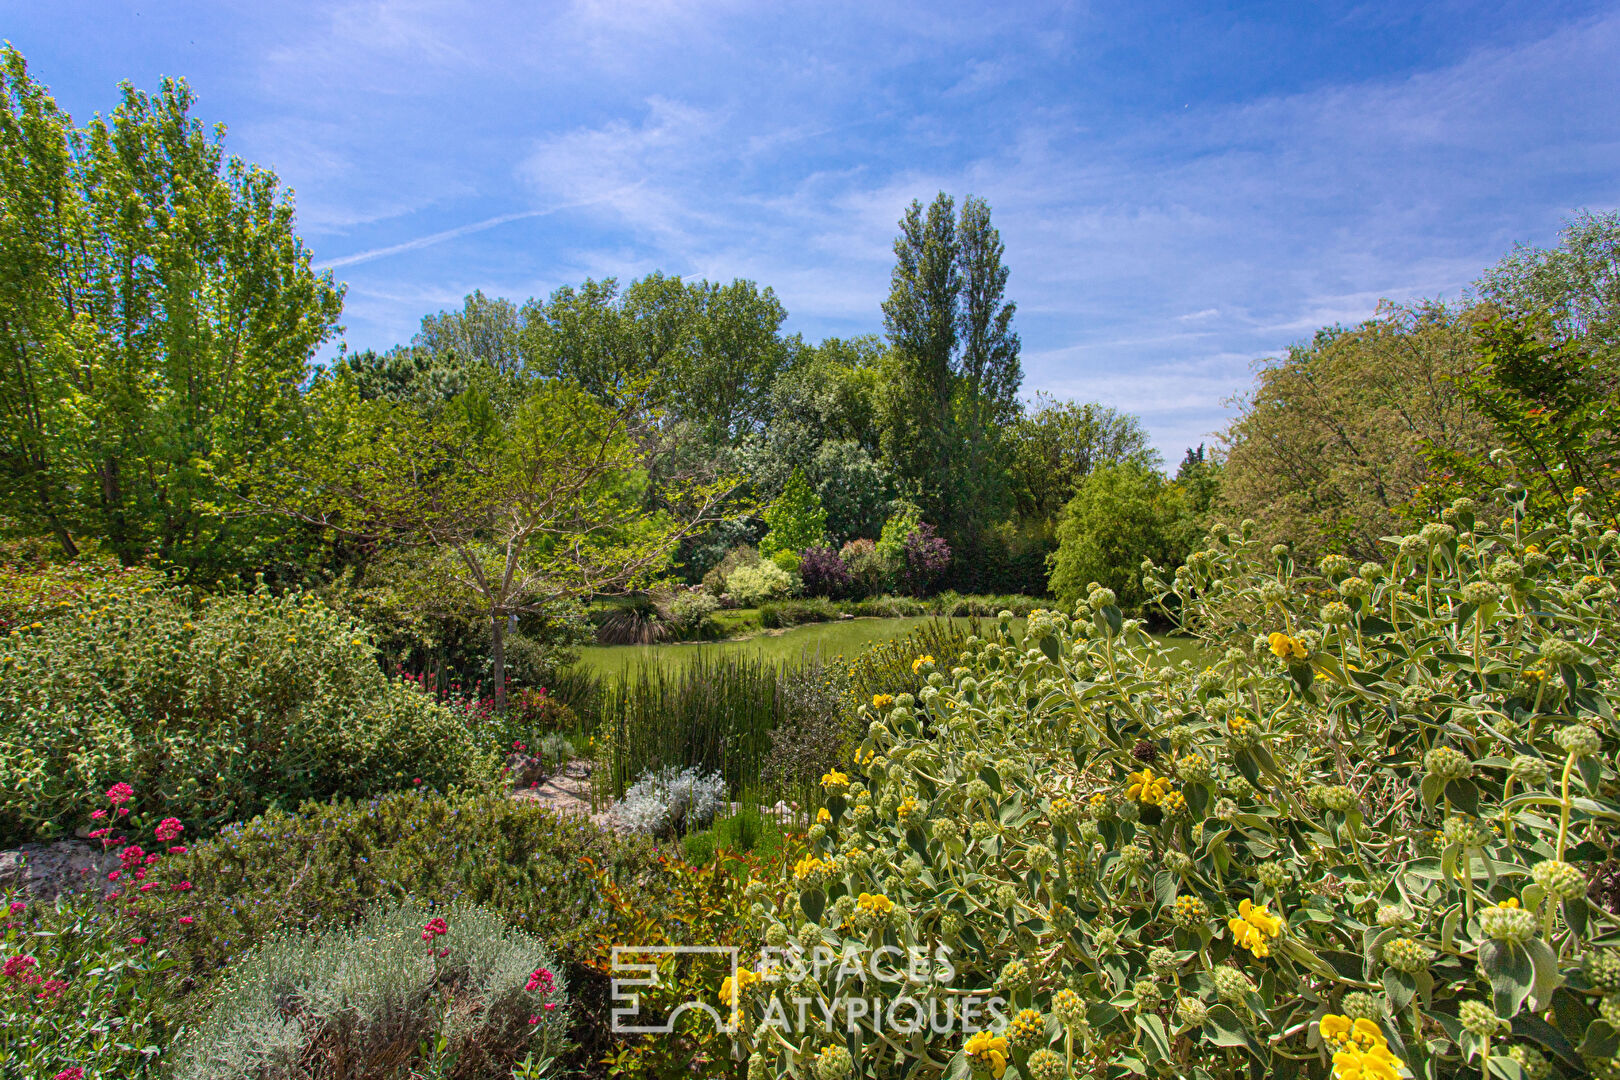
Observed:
{"x":567,"y":791}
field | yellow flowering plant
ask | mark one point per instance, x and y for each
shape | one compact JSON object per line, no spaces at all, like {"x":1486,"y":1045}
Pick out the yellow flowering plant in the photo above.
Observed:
{"x":1372,"y":830}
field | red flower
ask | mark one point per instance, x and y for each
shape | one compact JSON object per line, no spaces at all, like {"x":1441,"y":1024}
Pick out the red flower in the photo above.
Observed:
{"x":137,"y":941}
{"x":17,"y":965}
{"x":52,"y":989}
{"x":122,"y":810}
{"x":132,"y":856}
{"x":168,"y":829}
{"x":177,"y":851}
{"x":433,"y":928}
{"x":186,"y":920}
{"x":418,"y":780}
{"x":17,"y":907}
{"x":184,"y":886}
{"x":74,"y":1073}
{"x":120,"y":793}
{"x":98,"y":814}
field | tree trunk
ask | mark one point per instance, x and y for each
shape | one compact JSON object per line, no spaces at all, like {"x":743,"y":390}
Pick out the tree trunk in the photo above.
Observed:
{"x":497,"y":655}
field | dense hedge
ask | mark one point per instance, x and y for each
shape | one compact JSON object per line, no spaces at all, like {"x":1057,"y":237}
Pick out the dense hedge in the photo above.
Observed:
{"x":219,"y":708}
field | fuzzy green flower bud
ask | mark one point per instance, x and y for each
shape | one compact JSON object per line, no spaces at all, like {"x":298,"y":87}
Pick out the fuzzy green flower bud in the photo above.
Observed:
{"x":1334,"y":565}
{"x":1391,"y":916}
{"x":1178,"y":862}
{"x":1559,"y":880}
{"x":1602,"y":968}
{"x":809,"y":935}
{"x":1147,"y":992}
{"x":1006,"y":897}
{"x":1480,"y":593}
{"x":1447,"y":763}
{"x":1026,"y":1029}
{"x":834,"y":1063}
{"x":1336,"y":613}
{"x":1358,"y":1005}
{"x":1609,"y":1009}
{"x":1334,"y":797}
{"x":1106,"y":939}
{"x":1046,"y":1065}
{"x":1408,"y":956}
{"x":1558,"y":651}
{"x":1508,"y":922}
{"x":1532,"y":1062}
{"x":1162,"y":962}
{"x":1468,"y":832}
{"x":1578,"y":740}
{"x":1193,"y":1012}
{"x":1070,"y":1009}
{"x":1355,"y":588}
{"x":1225,"y":809}
{"x":1133,"y":859}
{"x":1479,"y":1018}
{"x":1232,"y":986}
{"x":1101,"y":598}
{"x":1528,"y":771}
{"x":1436,"y":532}
{"x":978,"y":789}
{"x":1273,"y":875}
{"x":1273,"y":592}
{"x":776,"y":935}
{"x":982,"y":830}
{"x":1014,"y":975}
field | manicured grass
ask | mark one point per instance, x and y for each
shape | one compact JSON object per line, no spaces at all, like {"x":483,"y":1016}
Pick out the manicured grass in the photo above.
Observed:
{"x":848,"y":636}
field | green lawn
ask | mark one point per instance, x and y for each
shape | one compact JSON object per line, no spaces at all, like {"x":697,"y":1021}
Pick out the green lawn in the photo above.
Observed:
{"x":848,"y":637}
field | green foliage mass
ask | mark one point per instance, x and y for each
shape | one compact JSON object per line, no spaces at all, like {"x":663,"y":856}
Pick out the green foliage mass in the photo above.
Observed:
{"x":796,"y":519}
{"x":1390,"y":794}
{"x":212,"y":710}
{"x":159,"y":312}
{"x":328,"y":863}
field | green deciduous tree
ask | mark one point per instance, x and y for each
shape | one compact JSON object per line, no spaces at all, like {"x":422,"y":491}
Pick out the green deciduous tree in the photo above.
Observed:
{"x":157,"y":316}
{"x":796,"y":519}
{"x":953,"y":372}
{"x":1114,"y":521}
{"x":1056,"y":444}
{"x":519,"y":501}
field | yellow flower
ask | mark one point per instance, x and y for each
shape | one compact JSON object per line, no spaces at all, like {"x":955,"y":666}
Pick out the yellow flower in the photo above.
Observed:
{"x":808,"y":866}
{"x":824,"y":816}
{"x":987,"y":1051}
{"x":835,"y":780}
{"x":1253,"y":926}
{"x":1335,"y":1029}
{"x":1145,"y":787}
{"x":1579,"y":491}
{"x":875,"y":903}
{"x":917,"y":664}
{"x":1285,"y":646}
{"x":882,"y":701}
{"x":732,"y":988}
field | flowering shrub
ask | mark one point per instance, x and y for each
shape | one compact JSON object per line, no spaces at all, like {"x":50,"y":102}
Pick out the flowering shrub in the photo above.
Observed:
{"x":453,"y":995}
{"x":1362,"y":841}
{"x":926,"y":557}
{"x":77,"y":992}
{"x":224,"y":709}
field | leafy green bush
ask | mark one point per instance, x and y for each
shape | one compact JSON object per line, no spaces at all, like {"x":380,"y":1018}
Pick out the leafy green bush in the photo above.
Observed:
{"x":329,"y":863}
{"x":1370,"y":828}
{"x":77,"y":992}
{"x":223,"y":707}
{"x":796,"y":519}
{"x":750,"y":586}
{"x":446,"y":992}
{"x":786,"y":613}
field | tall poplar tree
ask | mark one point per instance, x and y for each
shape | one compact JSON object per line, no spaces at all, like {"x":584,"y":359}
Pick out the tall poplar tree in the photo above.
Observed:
{"x":953,"y":370}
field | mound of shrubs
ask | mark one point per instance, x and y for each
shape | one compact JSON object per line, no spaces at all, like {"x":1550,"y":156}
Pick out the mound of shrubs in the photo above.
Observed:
{"x":410,"y":989}
{"x":1366,"y":839}
{"x":224,"y":707}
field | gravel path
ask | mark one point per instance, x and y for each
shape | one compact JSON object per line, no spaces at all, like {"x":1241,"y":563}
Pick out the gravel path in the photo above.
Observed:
{"x":568,"y":791}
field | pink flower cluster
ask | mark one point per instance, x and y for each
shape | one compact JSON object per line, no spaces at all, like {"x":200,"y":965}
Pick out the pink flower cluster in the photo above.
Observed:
{"x":543,"y":982}
{"x":75,"y":1073}
{"x":434,"y":928}
{"x":134,"y":859}
{"x":24,"y":971}
{"x":168,"y":830}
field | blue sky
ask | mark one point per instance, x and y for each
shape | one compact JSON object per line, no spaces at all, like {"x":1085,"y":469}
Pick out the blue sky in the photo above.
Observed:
{"x":1183,"y":188}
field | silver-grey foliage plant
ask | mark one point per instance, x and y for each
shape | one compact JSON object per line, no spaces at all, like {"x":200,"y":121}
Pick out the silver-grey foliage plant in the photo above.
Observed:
{"x":382,"y":991}
{"x":670,"y":800}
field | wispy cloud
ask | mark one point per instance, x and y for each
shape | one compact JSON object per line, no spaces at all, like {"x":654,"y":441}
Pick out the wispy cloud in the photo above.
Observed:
{"x":428,"y":240}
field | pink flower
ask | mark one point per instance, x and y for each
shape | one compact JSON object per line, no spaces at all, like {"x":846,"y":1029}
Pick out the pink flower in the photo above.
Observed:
{"x":114,"y":875}
{"x":149,"y":886}
{"x":186,"y":920}
{"x":17,"y":907}
{"x":98,"y":814}
{"x":534,"y":1019}
{"x":137,"y":941}
{"x":120,"y":793}
{"x":140,"y":875}
{"x":99,"y":833}
{"x":132,"y":856}
{"x":17,"y":965}
{"x":52,"y":989}
{"x":434,"y":928}
{"x":168,"y":829}
{"x":550,"y":1005}
{"x":178,"y":850}
{"x":122,"y":810}
{"x":184,"y":886}
{"x":74,"y":1073}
